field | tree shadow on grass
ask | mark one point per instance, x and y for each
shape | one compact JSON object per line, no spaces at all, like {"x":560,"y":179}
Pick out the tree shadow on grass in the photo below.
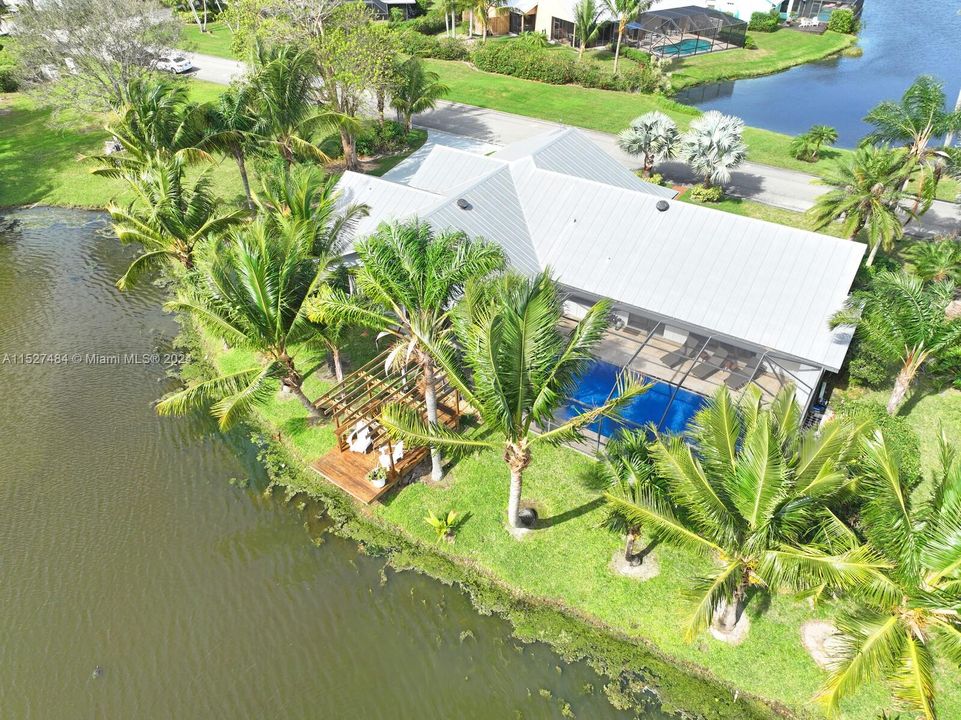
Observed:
{"x":571,"y":514}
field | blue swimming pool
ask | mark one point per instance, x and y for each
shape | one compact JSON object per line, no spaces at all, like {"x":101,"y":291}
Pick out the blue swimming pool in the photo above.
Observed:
{"x":601,"y":378}
{"x":687,"y":46}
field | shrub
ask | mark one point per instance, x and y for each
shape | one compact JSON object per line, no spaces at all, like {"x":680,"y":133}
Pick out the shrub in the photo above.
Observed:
{"x":442,"y":48}
{"x":8,"y":76}
{"x":866,"y":369}
{"x":379,"y":138}
{"x":429,"y":24}
{"x":903,"y":442}
{"x":533,"y":39}
{"x":521,"y":60}
{"x":843,"y":21}
{"x":655,"y":179}
{"x":765,"y":21}
{"x":750,"y":43}
{"x":711,"y":194}
{"x":396,"y":16}
{"x":638,"y":56}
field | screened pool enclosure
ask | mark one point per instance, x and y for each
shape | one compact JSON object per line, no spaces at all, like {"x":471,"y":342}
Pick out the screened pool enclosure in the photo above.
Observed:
{"x":684,"y":31}
{"x":684,"y":367}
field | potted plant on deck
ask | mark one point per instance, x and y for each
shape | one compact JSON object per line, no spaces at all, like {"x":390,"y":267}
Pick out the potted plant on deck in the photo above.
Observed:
{"x":377,"y":477}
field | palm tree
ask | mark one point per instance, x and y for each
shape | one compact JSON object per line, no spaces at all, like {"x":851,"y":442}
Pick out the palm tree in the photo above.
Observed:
{"x":417,"y":89}
{"x":252,"y":295}
{"x":586,"y":25}
{"x":520,"y":369}
{"x":408,"y":280}
{"x":170,"y":220}
{"x":231,"y":123}
{"x":749,"y":488}
{"x":287,"y":111}
{"x":920,"y":117}
{"x":905,"y":618}
{"x":807,"y":146}
{"x":904,"y":320}
{"x":629,"y":468}
{"x":624,"y":11}
{"x":713,"y":146}
{"x":937,"y":260}
{"x":868,"y":192}
{"x":653,"y":135}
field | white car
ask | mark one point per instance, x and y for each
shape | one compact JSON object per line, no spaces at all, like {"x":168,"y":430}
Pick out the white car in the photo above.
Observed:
{"x":174,"y":63}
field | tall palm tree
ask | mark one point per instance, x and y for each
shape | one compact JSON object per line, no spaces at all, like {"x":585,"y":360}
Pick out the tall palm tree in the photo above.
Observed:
{"x":417,"y":89}
{"x":586,"y":24}
{"x":905,"y":619}
{"x":713,"y":146}
{"x":868,"y":193}
{"x":937,"y":260}
{"x":904,"y":320}
{"x":918,"y":119}
{"x":749,"y":488}
{"x":231,"y":125}
{"x":170,"y":219}
{"x":653,"y":135}
{"x":629,"y":467}
{"x":408,"y":280}
{"x":519,"y":369}
{"x":288,"y":115}
{"x":624,"y":11}
{"x":157,"y":122}
{"x":252,"y":294}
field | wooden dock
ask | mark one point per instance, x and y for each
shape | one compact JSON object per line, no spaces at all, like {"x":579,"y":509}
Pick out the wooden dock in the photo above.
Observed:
{"x":348,"y":471}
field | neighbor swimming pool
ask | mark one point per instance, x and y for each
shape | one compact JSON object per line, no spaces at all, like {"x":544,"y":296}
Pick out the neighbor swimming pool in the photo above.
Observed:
{"x":687,"y":46}
{"x":601,"y":378}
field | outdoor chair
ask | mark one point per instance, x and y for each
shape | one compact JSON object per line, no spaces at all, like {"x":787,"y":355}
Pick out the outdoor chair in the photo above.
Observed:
{"x":675,"y":358}
{"x":735,"y":380}
{"x":709,"y":364}
{"x":386,"y":459}
{"x":360,"y":440}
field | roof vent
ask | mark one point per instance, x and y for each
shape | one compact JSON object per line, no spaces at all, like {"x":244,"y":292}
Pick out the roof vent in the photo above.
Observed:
{"x":662,"y":205}
{"x":463,"y":204}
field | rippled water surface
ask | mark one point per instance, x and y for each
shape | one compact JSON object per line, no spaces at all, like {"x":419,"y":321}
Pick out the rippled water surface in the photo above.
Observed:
{"x":124,"y":546}
{"x":901,"y":40}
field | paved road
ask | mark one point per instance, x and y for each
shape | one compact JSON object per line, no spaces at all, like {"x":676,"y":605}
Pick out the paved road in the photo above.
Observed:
{"x":774,"y":186}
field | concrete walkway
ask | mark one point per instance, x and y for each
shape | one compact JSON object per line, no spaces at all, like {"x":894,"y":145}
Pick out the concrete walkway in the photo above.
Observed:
{"x":765,"y":184}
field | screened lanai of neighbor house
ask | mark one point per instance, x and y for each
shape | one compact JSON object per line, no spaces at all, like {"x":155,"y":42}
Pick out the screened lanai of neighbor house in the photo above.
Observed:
{"x":688,"y":30}
{"x":702,"y":298}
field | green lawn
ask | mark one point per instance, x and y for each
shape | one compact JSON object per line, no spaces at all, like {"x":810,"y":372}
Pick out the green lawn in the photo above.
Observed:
{"x":775,"y":52}
{"x":216,"y":41}
{"x":760,"y":211}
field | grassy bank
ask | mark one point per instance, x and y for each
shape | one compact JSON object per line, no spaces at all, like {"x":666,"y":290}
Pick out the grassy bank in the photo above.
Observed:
{"x":216,"y":41}
{"x":775,"y":52}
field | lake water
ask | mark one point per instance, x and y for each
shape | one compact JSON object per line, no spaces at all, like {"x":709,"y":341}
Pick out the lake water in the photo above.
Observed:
{"x":901,"y":40}
{"x":125,"y":546}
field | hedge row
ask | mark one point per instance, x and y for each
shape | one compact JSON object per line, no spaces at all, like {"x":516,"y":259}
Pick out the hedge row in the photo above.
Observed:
{"x":765,"y":21}
{"x":429,"y":24}
{"x":551,"y":66}
{"x":430,"y":46}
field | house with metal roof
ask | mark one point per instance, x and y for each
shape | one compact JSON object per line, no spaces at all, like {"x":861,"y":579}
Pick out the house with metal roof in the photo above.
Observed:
{"x":702,"y":298}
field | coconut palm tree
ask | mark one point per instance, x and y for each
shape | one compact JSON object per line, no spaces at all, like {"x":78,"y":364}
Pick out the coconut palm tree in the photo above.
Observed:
{"x":906,"y":321}
{"x":713,"y":146}
{"x":807,"y":146}
{"x":629,"y":468}
{"x":231,"y":126}
{"x":749,"y":487}
{"x":417,"y":89}
{"x":868,"y":193}
{"x":653,"y":135}
{"x":586,"y":24}
{"x":289,"y":117}
{"x":624,"y":11}
{"x":170,"y":219}
{"x":903,"y":620}
{"x":408,"y":280}
{"x":937,"y":260}
{"x":252,"y":294}
{"x":519,"y":369}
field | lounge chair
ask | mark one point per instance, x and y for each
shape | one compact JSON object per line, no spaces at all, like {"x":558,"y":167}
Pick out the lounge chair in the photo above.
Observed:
{"x":735,"y":380}
{"x":675,"y":358}
{"x":360,"y":440}
{"x":387,"y":460}
{"x":709,"y":364}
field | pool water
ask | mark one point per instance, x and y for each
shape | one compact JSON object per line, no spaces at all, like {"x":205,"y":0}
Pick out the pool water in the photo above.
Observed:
{"x":598,"y":383}
{"x":687,"y":46}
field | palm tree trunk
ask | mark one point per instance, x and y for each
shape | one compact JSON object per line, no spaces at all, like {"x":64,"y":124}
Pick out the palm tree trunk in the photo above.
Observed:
{"x":580,"y":54}
{"x":617,"y":48}
{"x":408,"y":121}
{"x":873,"y":254}
{"x":430,"y":401}
{"x":196,"y":16}
{"x":295,"y":386}
{"x":338,"y":365}
{"x":349,"y":145}
{"x":902,"y":383}
{"x":733,"y":607}
{"x":514,"y":498}
{"x":242,"y":167}
{"x":629,"y":554}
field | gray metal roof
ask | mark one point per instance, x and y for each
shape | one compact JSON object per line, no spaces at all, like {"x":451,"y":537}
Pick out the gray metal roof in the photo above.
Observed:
{"x":764,"y":284}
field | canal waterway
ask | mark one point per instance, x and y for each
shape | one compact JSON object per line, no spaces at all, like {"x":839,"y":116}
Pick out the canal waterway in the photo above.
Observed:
{"x":901,"y":40}
{"x":143,"y":572}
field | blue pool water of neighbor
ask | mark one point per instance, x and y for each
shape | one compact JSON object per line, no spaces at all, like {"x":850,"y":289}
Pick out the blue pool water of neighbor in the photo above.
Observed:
{"x":601,"y":378}
{"x":687,"y":46}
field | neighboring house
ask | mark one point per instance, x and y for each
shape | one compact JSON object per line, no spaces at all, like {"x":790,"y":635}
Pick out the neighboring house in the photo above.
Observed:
{"x":702,"y":298}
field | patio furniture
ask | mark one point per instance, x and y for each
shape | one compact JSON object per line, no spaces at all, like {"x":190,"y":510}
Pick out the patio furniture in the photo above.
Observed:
{"x":709,"y":364}
{"x":387,"y":459}
{"x":735,"y":381}
{"x":360,"y":440}
{"x":675,"y":358}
